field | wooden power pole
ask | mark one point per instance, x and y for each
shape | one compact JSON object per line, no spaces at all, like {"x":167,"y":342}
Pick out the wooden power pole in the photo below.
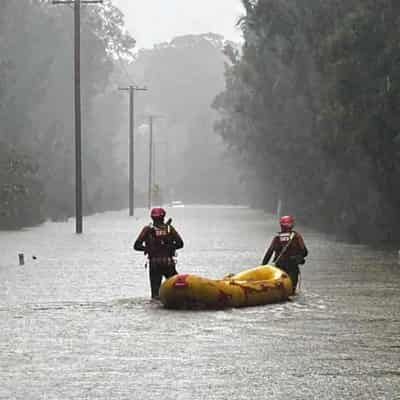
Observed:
{"x":132,"y":90}
{"x":151,"y":117}
{"x":78,"y":121}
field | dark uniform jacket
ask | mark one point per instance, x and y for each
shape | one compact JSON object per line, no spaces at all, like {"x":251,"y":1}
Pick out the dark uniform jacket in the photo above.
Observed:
{"x":158,"y":241}
{"x":296,"y":250}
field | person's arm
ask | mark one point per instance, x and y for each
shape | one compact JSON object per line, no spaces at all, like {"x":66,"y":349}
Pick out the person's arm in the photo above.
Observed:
{"x":139,"y":244}
{"x":301,"y":250}
{"x":176,"y":239}
{"x":302,"y":246}
{"x":269,"y":252}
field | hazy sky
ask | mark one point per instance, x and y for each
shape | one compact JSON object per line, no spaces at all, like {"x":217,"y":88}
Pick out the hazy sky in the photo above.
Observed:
{"x":155,"y":21}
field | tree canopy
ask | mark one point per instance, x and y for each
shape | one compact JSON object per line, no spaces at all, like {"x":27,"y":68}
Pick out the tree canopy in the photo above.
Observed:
{"x":311,"y":108}
{"x":36,"y":109}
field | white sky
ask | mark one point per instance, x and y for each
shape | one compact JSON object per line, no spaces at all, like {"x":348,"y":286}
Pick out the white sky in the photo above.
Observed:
{"x":155,"y":21}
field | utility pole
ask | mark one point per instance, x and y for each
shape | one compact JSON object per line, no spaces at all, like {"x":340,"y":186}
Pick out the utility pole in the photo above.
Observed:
{"x":150,"y":160}
{"x":78,"y":122}
{"x":132,"y":90}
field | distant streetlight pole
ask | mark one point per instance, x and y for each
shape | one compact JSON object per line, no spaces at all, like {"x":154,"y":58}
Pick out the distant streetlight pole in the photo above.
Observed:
{"x":165,"y":167}
{"x":132,"y":90}
{"x":78,"y":122}
{"x":151,"y":158}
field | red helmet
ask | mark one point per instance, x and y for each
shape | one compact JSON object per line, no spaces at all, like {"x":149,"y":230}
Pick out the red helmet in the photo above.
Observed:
{"x":287,"y":221}
{"x":157,"y":212}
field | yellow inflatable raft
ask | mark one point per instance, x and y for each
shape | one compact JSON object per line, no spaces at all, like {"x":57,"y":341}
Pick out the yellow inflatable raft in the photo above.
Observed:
{"x":261,"y":285}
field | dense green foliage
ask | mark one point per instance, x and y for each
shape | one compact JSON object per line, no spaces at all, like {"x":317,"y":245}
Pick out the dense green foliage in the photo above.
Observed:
{"x":36,"y":110}
{"x":21,"y":193}
{"x":311,"y":107}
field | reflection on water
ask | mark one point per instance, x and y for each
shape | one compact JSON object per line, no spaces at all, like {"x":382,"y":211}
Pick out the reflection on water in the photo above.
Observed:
{"x":77,"y":322}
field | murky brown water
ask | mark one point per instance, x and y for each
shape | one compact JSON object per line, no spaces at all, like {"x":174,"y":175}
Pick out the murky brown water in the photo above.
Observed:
{"x":76,"y":323}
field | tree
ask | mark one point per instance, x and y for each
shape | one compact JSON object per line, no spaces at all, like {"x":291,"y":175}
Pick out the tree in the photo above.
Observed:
{"x":36,"y":99}
{"x":20,"y":192}
{"x":183,"y":77}
{"x":310,"y":108}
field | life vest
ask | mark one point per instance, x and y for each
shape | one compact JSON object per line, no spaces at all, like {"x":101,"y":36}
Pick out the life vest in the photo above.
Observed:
{"x":285,"y":248}
{"x":160,"y":239}
{"x":285,"y":237}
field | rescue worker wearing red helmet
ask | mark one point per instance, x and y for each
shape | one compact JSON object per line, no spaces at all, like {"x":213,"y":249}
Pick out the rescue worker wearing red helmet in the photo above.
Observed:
{"x":159,"y":241}
{"x":288,"y":249}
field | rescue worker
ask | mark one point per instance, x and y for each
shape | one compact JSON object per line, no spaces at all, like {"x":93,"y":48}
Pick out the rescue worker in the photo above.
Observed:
{"x":159,"y":241}
{"x":288,"y":249}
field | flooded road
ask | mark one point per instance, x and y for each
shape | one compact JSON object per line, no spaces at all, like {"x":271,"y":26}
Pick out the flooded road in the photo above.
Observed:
{"x":77,"y":323}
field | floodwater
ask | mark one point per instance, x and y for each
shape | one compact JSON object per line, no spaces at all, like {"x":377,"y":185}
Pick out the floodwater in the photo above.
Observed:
{"x":77,"y":323}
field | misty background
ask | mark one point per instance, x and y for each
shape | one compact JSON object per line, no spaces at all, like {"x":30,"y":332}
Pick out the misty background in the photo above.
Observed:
{"x":302,"y":110}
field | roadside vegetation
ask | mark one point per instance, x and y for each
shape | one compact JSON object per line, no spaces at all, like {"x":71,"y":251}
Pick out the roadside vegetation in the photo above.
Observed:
{"x":311,"y":108}
{"x":36,"y":110}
